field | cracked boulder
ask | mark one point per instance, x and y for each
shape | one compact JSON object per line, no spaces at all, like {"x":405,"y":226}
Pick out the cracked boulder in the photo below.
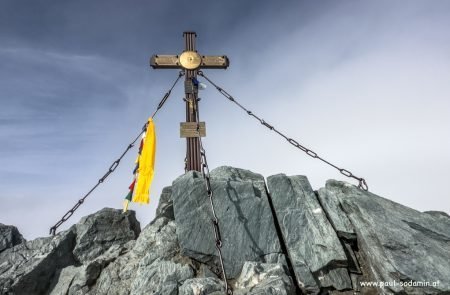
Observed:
{"x":80,"y":279}
{"x":28,"y":268}
{"x":160,"y":277}
{"x":339,"y":220}
{"x":157,"y":241}
{"x":9,"y":237}
{"x":246,"y":224}
{"x":264,"y":279}
{"x":314,"y":249}
{"x":99,"y":231}
{"x":398,"y":244}
{"x":71,"y":261}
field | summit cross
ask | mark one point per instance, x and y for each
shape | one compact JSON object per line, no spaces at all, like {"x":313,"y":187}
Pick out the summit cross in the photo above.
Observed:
{"x":190,"y":61}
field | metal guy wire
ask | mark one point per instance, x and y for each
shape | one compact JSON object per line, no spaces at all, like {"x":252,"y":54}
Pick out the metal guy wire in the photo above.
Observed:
{"x":362,"y":184}
{"x":114,"y":165}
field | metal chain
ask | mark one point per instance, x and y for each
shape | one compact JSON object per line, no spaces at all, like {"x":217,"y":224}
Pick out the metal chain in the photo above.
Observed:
{"x":214,"y":220}
{"x":111,"y":169}
{"x":166,"y":96}
{"x":362,"y":184}
{"x":114,"y":165}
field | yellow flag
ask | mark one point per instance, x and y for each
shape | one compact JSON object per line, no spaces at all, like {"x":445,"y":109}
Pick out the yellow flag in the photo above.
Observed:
{"x":146,"y":165}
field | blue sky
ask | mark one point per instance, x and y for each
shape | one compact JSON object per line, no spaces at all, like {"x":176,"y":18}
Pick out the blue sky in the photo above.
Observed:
{"x":363,"y":83}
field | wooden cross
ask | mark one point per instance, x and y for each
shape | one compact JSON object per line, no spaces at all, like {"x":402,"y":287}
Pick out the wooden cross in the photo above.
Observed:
{"x":190,"y":61}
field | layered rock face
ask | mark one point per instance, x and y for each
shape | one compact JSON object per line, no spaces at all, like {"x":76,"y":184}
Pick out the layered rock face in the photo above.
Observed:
{"x":279,"y":237}
{"x":246,"y":220}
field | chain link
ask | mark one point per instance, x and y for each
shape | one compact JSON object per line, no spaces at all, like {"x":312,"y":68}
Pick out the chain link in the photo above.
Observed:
{"x":114,"y":165}
{"x":362,"y":184}
{"x":166,"y":96}
{"x":214,"y":220}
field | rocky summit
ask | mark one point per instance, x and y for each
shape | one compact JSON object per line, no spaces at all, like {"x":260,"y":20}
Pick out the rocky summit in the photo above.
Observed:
{"x":279,"y":237}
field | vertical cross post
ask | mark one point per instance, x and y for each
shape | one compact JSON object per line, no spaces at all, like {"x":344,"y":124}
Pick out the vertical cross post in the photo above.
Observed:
{"x":190,"y":61}
{"x":193,"y":158}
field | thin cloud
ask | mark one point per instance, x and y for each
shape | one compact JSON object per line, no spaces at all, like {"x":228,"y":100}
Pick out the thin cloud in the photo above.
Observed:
{"x":363,"y":84}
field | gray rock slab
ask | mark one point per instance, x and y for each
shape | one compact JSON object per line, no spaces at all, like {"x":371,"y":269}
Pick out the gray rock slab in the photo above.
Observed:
{"x":203,"y":286}
{"x":99,"y":231}
{"x":9,"y":237}
{"x":311,"y":241}
{"x":158,"y":237}
{"x":337,"y":278}
{"x":203,"y":271}
{"x":245,"y":218}
{"x":165,"y":204}
{"x":399,"y":243}
{"x":303,"y":276}
{"x":158,"y":240}
{"x":439,"y":214}
{"x":160,"y":244}
{"x":65,"y":279}
{"x":142,"y":270}
{"x":29,"y":268}
{"x":116,"y":278}
{"x":337,"y":217}
{"x":161,"y":277}
{"x":81,"y":279}
{"x":264,"y":278}
{"x":226,"y":173}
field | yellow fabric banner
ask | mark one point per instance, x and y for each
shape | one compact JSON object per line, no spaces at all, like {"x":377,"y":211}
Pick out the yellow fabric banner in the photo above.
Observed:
{"x":146,"y":166}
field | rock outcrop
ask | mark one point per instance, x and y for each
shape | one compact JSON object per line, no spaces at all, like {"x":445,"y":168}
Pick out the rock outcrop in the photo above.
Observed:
{"x":313,"y":247}
{"x":398,"y":244}
{"x":246,"y":220}
{"x":76,"y":255}
{"x":279,"y":238}
{"x":9,"y":237}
